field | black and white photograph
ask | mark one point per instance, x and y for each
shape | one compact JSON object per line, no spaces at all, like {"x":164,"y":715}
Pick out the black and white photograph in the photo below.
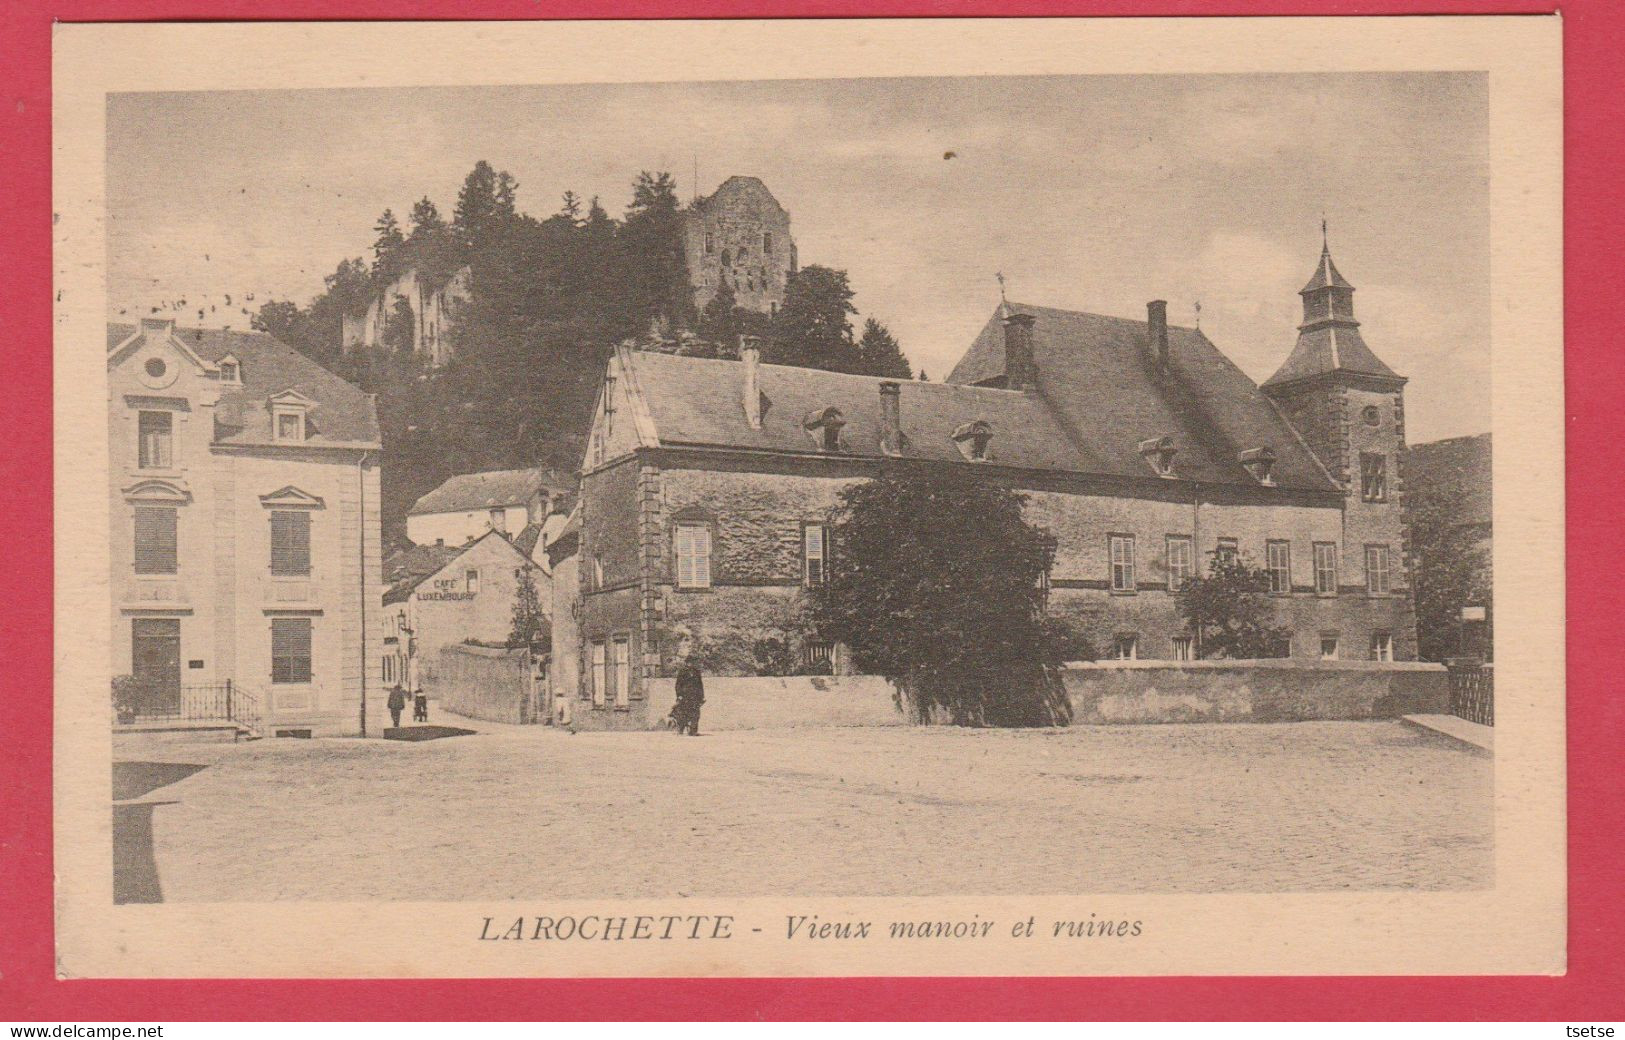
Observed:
{"x":562,"y":496}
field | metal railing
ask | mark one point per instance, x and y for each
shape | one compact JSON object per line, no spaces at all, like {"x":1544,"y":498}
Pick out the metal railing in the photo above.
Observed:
{"x":1472,"y":690}
{"x":226,"y":701}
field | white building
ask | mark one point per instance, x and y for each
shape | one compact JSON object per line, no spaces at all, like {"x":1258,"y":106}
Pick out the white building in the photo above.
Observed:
{"x":243,"y":493}
{"x":470,"y":504}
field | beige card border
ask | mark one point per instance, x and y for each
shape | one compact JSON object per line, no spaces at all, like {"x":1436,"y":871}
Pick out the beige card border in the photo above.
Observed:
{"x":1519,"y":927}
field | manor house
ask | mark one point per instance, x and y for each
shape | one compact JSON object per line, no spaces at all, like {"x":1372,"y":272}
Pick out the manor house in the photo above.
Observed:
{"x":1142,"y":449}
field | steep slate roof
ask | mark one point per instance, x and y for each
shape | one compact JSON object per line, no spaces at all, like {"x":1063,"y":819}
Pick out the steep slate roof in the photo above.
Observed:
{"x":698,"y":401}
{"x":491,"y":489}
{"x":1098,"y":375}
{"x":1455,"y":464}
{"x":1330,"y":348}
{"x":340,"y":413}
{"x":1325,"y":274}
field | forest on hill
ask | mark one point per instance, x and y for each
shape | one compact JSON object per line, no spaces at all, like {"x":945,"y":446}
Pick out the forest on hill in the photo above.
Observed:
{"x":549,"y":299}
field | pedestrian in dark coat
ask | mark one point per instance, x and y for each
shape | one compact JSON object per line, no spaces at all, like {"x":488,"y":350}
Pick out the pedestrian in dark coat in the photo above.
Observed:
{"x":397,"y":704}
{"x":420,"y":707}
{"x":690,"y":689}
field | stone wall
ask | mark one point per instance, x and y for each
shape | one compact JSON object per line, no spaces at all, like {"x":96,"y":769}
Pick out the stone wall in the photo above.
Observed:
{"x":1111,"y":692}
{"x":486,"y":683}
{"x":733,"y":703}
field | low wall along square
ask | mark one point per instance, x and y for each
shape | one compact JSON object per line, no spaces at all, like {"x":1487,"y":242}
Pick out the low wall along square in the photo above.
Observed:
{"x":1115,"y":692}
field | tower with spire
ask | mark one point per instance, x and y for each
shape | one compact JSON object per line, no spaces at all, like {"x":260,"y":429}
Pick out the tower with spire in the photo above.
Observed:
{"x":1349,"y":407}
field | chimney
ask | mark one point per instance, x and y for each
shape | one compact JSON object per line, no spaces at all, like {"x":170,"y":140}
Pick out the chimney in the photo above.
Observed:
{"x":1156,"y":316}
{"x":891,"y":423}
{"x":750,"y":354}
{"x":1020,"y":369}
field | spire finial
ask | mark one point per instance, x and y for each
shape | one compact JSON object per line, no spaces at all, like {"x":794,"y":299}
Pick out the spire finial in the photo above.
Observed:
{"x":1198,"y":313}
{"x":1325,"y":247}
{"x":1000,"y":276}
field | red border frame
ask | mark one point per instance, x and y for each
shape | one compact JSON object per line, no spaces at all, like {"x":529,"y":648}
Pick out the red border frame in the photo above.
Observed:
{"x":1595,"y":985}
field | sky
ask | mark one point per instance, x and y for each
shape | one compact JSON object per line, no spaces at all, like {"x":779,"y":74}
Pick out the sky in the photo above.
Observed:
{"x":1094,"y":193}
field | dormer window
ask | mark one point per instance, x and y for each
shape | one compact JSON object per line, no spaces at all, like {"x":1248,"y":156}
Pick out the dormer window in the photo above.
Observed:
{"x":290,"y":426}
{"x":230,"y":371}
{"x":1159,"y":453}
{"x":288,"y":417}
{"x":972,"y":440}
{"x":823,"y":425}
{"x":1260,"y":462}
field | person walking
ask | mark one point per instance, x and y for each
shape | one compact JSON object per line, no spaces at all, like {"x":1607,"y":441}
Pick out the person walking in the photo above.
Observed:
{"x":690,"y":688}
{"x":397,"y":704}
{"x":420,"y":707}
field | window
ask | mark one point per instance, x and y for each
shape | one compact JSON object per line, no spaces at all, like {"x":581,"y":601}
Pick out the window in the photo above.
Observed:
{"x":710,"y":243}
{"x":1126,"y":647}
{"x":598,"y":686}
{"x":1370,"y":416}
{"x":389,"y":668}
{"x":727,"y":261}
{"x":155,"y":539}
{"x":693,"y":543}
{"x":230,"y":372}
{"x":832,"y":438}
{"x":1373,"y":477}
{"x":1328,"y":646}
{"x":1181,"y":563}
{"x":622,"y":662}
{"x":1382,"y":646}
{"x":499,"y":519}
{"x":290,"y":650}
{"x":1278,"y":561}
{"x":767,"y":241}
{"x":471,"y":581}
{"x":290,"y":426}
{"x":157,"y":431}
{"x":1121,"y":549}
{"x":1184,"y":648}
{"x":290,"y":542}
{"x":1325,"y":569}
{"x":1376,"y":570}
{"x":814,"y":538}
{"x":1228,"y":551}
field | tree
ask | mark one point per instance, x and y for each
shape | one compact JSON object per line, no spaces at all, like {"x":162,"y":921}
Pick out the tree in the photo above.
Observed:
{"x":426,"y":218}
{"x":651,"y":255}
{"x":571,"y":208}
{"x":1231,"y":613}
{"x":1452,"y":569}
{"x":528,"y":617}
{"x":813,"y":329}
{"x":485,"y":206}
{"x":935,"y":584}
{"x":879,"y":354}
{"x":386,"y":248}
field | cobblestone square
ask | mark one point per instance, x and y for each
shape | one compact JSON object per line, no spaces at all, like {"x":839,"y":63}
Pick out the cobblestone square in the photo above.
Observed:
{"x":515,"y":812}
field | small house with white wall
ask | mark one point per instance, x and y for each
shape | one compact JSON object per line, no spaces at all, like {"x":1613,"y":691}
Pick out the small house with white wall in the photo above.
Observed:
{"x":468,"y":505}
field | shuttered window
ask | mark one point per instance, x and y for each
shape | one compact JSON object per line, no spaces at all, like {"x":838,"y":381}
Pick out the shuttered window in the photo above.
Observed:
{"x":1373,"y":477}
{"x":157,"y":430}
{"x":290,"y":542}
{"x":813,"y":555}
{"x":155,"y":539}
{"x":693,"y":545}
{"x":290,"y":650}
